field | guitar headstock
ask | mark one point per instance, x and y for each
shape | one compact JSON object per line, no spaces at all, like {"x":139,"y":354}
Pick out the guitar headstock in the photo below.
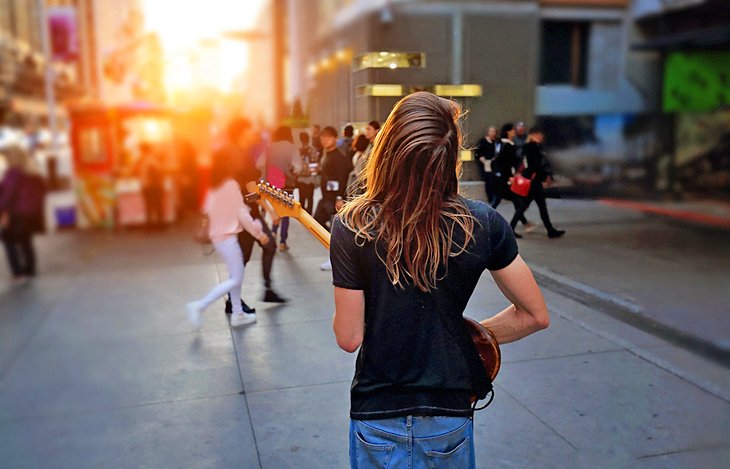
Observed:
{"x":284,"y":204}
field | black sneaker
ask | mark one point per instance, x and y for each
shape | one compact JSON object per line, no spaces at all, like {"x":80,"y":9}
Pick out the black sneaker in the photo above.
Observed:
{"x":556,"y":233}
{"x":246,"y":308}
{"x":271,"y":297}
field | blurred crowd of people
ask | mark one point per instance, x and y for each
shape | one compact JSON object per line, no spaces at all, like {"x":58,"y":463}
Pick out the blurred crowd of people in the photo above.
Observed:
{"x":516,"y":152}
{"x":326,"y":160}
{"x":332,"y":161}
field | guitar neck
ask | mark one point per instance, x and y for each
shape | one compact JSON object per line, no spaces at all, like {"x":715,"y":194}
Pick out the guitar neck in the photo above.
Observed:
{"x":322,"y":235}
{"x":285,"y":206}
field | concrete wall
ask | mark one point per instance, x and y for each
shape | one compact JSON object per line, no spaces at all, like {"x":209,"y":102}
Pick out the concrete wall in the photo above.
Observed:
{"x":507,"y":77}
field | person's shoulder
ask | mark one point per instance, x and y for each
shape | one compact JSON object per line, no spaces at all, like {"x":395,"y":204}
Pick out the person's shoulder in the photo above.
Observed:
{"x":341,"y":233}
{"x":339,"y":225}
{"x":479,"y":209}
{"x":230,"y":185}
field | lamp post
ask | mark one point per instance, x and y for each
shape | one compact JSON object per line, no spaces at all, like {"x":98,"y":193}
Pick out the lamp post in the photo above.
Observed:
{"x":49,"y":78}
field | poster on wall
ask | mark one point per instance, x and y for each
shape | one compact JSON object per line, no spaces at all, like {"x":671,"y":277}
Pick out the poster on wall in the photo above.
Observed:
{"x":696,"y":81}
{"x":64,"y":33}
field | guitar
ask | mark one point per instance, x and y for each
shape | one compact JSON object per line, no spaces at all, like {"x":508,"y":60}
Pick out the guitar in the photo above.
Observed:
{"x":285,"y":206}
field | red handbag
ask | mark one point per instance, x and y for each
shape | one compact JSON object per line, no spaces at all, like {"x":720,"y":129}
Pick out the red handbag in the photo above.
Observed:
{"x":521,"y":185}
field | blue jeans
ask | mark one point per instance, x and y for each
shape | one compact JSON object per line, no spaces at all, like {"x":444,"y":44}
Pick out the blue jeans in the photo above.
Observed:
{"x":412,"y":442}
{"x":284,"y":229}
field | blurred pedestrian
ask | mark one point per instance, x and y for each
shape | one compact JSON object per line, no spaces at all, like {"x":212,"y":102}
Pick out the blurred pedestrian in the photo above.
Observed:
{"x":316,"y":129}
{"x":371,"y":131}
{"x":520,"y":139}
{"x":344,"y":143}
{"x":538,"y":170}
{"x":189,"y":177}
{"x":309,"y":175}
{"x":227,"y":217}
{"x":22,"y":202}
{"x":355,"y":186}
{"x":504,"y":166}
{"x":485,"y":151}
{"x":406,"y":257}
{"x":336,"y":169}
{"x":280,"y":164}
{"x":240,"y":136}
{"x":153,"y":190}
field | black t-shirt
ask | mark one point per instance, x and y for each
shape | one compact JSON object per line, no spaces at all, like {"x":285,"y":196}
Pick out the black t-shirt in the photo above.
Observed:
{"x":409,"y":363}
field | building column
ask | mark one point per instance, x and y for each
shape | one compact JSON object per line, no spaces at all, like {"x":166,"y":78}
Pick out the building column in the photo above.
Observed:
{"x":457,"y":46}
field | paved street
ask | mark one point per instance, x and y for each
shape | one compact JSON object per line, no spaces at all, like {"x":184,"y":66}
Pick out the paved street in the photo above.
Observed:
{"x":99,"y":368}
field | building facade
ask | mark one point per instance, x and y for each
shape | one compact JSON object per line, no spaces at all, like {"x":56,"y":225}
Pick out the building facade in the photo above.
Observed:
{"x":23,"y":64}
{"x":692,"y":42}
{"x":564,"y":64}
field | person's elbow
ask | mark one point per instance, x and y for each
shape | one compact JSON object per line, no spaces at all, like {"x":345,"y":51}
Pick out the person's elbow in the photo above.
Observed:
{"x":349,"y":341}
{"x":541,"y":319}
{"x":349,"y":344}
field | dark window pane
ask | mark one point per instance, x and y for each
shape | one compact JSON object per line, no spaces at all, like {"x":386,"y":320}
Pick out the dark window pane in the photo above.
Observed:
{"x":564,"y":53}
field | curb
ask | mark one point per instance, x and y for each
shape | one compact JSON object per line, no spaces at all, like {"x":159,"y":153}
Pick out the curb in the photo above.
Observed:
{"x":629,"y":313}
{"x":707,"y":219}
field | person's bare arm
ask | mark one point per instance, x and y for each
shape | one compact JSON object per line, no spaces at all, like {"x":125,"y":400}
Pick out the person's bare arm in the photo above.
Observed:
{"x":349,"y":319}
{"x":527,"y":313}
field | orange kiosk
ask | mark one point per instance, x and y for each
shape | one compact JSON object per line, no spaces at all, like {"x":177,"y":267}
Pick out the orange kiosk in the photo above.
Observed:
{"x":107,"y":144}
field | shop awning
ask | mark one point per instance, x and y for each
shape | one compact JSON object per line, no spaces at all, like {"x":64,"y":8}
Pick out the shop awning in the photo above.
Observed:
{"x":705,"y":39}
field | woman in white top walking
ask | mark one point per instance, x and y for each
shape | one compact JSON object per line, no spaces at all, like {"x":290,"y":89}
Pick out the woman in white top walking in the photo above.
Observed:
{"x":228,"y":216}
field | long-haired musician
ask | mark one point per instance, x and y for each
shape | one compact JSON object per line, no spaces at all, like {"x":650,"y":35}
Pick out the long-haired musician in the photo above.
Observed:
{"x":406,"y":256}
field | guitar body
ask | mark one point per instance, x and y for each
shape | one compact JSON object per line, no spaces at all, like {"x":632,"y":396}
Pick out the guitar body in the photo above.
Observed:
{"x":486,"y":346}
{"x":285,"y":206}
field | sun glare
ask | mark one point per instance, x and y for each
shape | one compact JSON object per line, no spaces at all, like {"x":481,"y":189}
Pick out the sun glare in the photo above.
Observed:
{"x":196,"y":53}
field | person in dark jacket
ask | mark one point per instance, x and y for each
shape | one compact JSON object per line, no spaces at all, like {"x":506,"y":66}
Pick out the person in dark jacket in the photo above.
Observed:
{"x":538,"y":169}
{"x":485,"y":151}
{"x":504,"y":166}
{"x":335,"y":170}
{"x":22,"y":199}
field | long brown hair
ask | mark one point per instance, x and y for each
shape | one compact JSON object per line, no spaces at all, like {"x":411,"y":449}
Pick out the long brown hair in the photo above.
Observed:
{"x":411,"y":205}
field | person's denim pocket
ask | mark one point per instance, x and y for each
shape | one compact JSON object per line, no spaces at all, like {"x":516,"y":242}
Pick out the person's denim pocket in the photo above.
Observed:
{"x":371,"y":455}
{"x":450,"y":450}
{"x":457,"y":458}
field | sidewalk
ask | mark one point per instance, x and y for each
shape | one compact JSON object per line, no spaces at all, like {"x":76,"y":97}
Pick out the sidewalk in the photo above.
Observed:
{"x":98,"y":368}
{"x":658,"y":266}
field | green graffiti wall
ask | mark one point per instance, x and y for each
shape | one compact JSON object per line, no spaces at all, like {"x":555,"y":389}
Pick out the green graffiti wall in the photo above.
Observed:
{"x":696,"y":81}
